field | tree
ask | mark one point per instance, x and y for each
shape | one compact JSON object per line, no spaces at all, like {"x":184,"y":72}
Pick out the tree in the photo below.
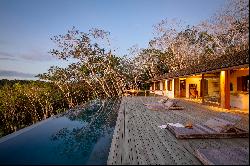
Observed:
{"x":101,"y":72}
{"x":230,"y":27}
{"x":225,"y":33}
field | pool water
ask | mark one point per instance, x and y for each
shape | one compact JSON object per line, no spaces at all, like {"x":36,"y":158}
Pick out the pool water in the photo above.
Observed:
{"x":81,"y":136}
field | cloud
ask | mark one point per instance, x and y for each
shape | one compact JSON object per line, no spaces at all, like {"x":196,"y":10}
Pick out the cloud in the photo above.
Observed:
{"x":35,"y":55}
{"x":32,"y":55}
{"x":6,"y":56}
{"x":8,"y":73}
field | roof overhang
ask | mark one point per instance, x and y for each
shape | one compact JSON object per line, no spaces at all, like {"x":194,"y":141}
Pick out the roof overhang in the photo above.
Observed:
{"x":198,"y":73}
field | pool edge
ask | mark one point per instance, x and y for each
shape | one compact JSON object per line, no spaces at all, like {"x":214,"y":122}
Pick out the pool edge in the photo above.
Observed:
{"x":23,"y":130}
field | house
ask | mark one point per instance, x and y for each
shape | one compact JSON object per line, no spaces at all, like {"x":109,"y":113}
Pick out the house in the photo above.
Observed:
{"x":223,"y":82}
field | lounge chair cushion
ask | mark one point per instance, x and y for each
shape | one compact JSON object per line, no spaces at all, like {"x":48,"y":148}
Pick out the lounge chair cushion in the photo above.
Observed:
{"x":159,"y":106}
{"x":218,"y":124}
{"x":224,"y":156}
{"x":201,"y":131}
{"x":213,"y":128}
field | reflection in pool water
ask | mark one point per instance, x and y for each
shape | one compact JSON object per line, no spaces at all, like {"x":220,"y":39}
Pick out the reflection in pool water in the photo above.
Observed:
{"x":81,"y":136}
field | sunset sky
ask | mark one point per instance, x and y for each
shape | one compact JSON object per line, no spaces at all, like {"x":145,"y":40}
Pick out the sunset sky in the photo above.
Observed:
{"x":27,"y":25}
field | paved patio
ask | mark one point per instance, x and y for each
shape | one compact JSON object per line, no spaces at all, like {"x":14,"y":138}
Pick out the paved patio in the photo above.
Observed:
{"x":138,"y":139}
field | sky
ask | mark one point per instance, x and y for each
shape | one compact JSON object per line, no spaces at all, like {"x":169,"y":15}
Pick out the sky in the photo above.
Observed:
{"x":26,"y":26}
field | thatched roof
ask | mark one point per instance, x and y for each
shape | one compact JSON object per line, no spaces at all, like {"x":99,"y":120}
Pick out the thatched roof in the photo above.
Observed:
{"x":224,"y":62}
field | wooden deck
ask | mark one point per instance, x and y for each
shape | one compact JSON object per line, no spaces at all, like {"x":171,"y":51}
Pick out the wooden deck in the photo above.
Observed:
{"x":138,"y":140}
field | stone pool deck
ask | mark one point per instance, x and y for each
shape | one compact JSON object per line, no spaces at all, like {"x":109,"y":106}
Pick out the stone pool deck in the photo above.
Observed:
{"x":138,"y":140}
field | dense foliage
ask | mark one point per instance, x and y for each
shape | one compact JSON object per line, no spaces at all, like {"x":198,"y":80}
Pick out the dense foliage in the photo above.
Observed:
{"x":26,"y":102}
{"x":176,"y":46}
{"x":96,"y":71}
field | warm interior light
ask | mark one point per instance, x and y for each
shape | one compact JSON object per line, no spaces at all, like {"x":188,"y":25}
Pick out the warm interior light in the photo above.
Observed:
{"x":223,"y":73}
{"x":244,"y":68}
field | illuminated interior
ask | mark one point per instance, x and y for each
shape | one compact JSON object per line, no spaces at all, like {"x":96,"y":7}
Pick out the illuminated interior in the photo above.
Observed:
{"x":212,"y":87}
{"x":239,"y":88}
{"x":191,"y":87}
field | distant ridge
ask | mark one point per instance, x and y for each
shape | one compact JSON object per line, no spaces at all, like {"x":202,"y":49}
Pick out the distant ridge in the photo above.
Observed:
{"x":15,"y":74}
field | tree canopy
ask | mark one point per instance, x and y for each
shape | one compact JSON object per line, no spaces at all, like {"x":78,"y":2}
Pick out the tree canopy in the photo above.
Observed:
{"x":95,"y":71}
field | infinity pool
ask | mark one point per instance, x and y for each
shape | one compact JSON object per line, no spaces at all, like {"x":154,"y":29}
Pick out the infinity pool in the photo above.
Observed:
{"x":81,"y":136}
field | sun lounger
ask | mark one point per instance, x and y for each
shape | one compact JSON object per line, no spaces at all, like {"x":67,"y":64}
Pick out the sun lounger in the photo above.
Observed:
{"x":159,"y":106}
{"x":164,"y":100}
{"x":223,"y":156}
{"x":175,"y":106}
{"x":163,"y":105}
{"x":213,"y":128}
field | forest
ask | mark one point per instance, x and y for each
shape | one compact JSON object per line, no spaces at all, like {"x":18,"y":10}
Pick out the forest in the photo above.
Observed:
{"x":97,"y":72}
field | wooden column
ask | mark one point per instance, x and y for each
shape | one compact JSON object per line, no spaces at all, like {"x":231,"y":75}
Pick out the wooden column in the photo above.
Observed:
{"x":202,"y":88}
{"x":176,"y":88}
{"x":225,"y":89}
{"x":154,"y":88}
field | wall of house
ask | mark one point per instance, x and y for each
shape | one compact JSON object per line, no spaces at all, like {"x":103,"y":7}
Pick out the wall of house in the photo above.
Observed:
{"x":238,"y":99}
{"x":170,"y":94}
{"x":160,"y":92}
{"x":213,"y":86}
{"x":192,"y":80}
{"x":151,"y":88}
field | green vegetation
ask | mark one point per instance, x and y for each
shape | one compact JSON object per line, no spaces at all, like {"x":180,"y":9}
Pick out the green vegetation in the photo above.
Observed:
{"x":26,"y":102}
{"x":97,"y":72}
